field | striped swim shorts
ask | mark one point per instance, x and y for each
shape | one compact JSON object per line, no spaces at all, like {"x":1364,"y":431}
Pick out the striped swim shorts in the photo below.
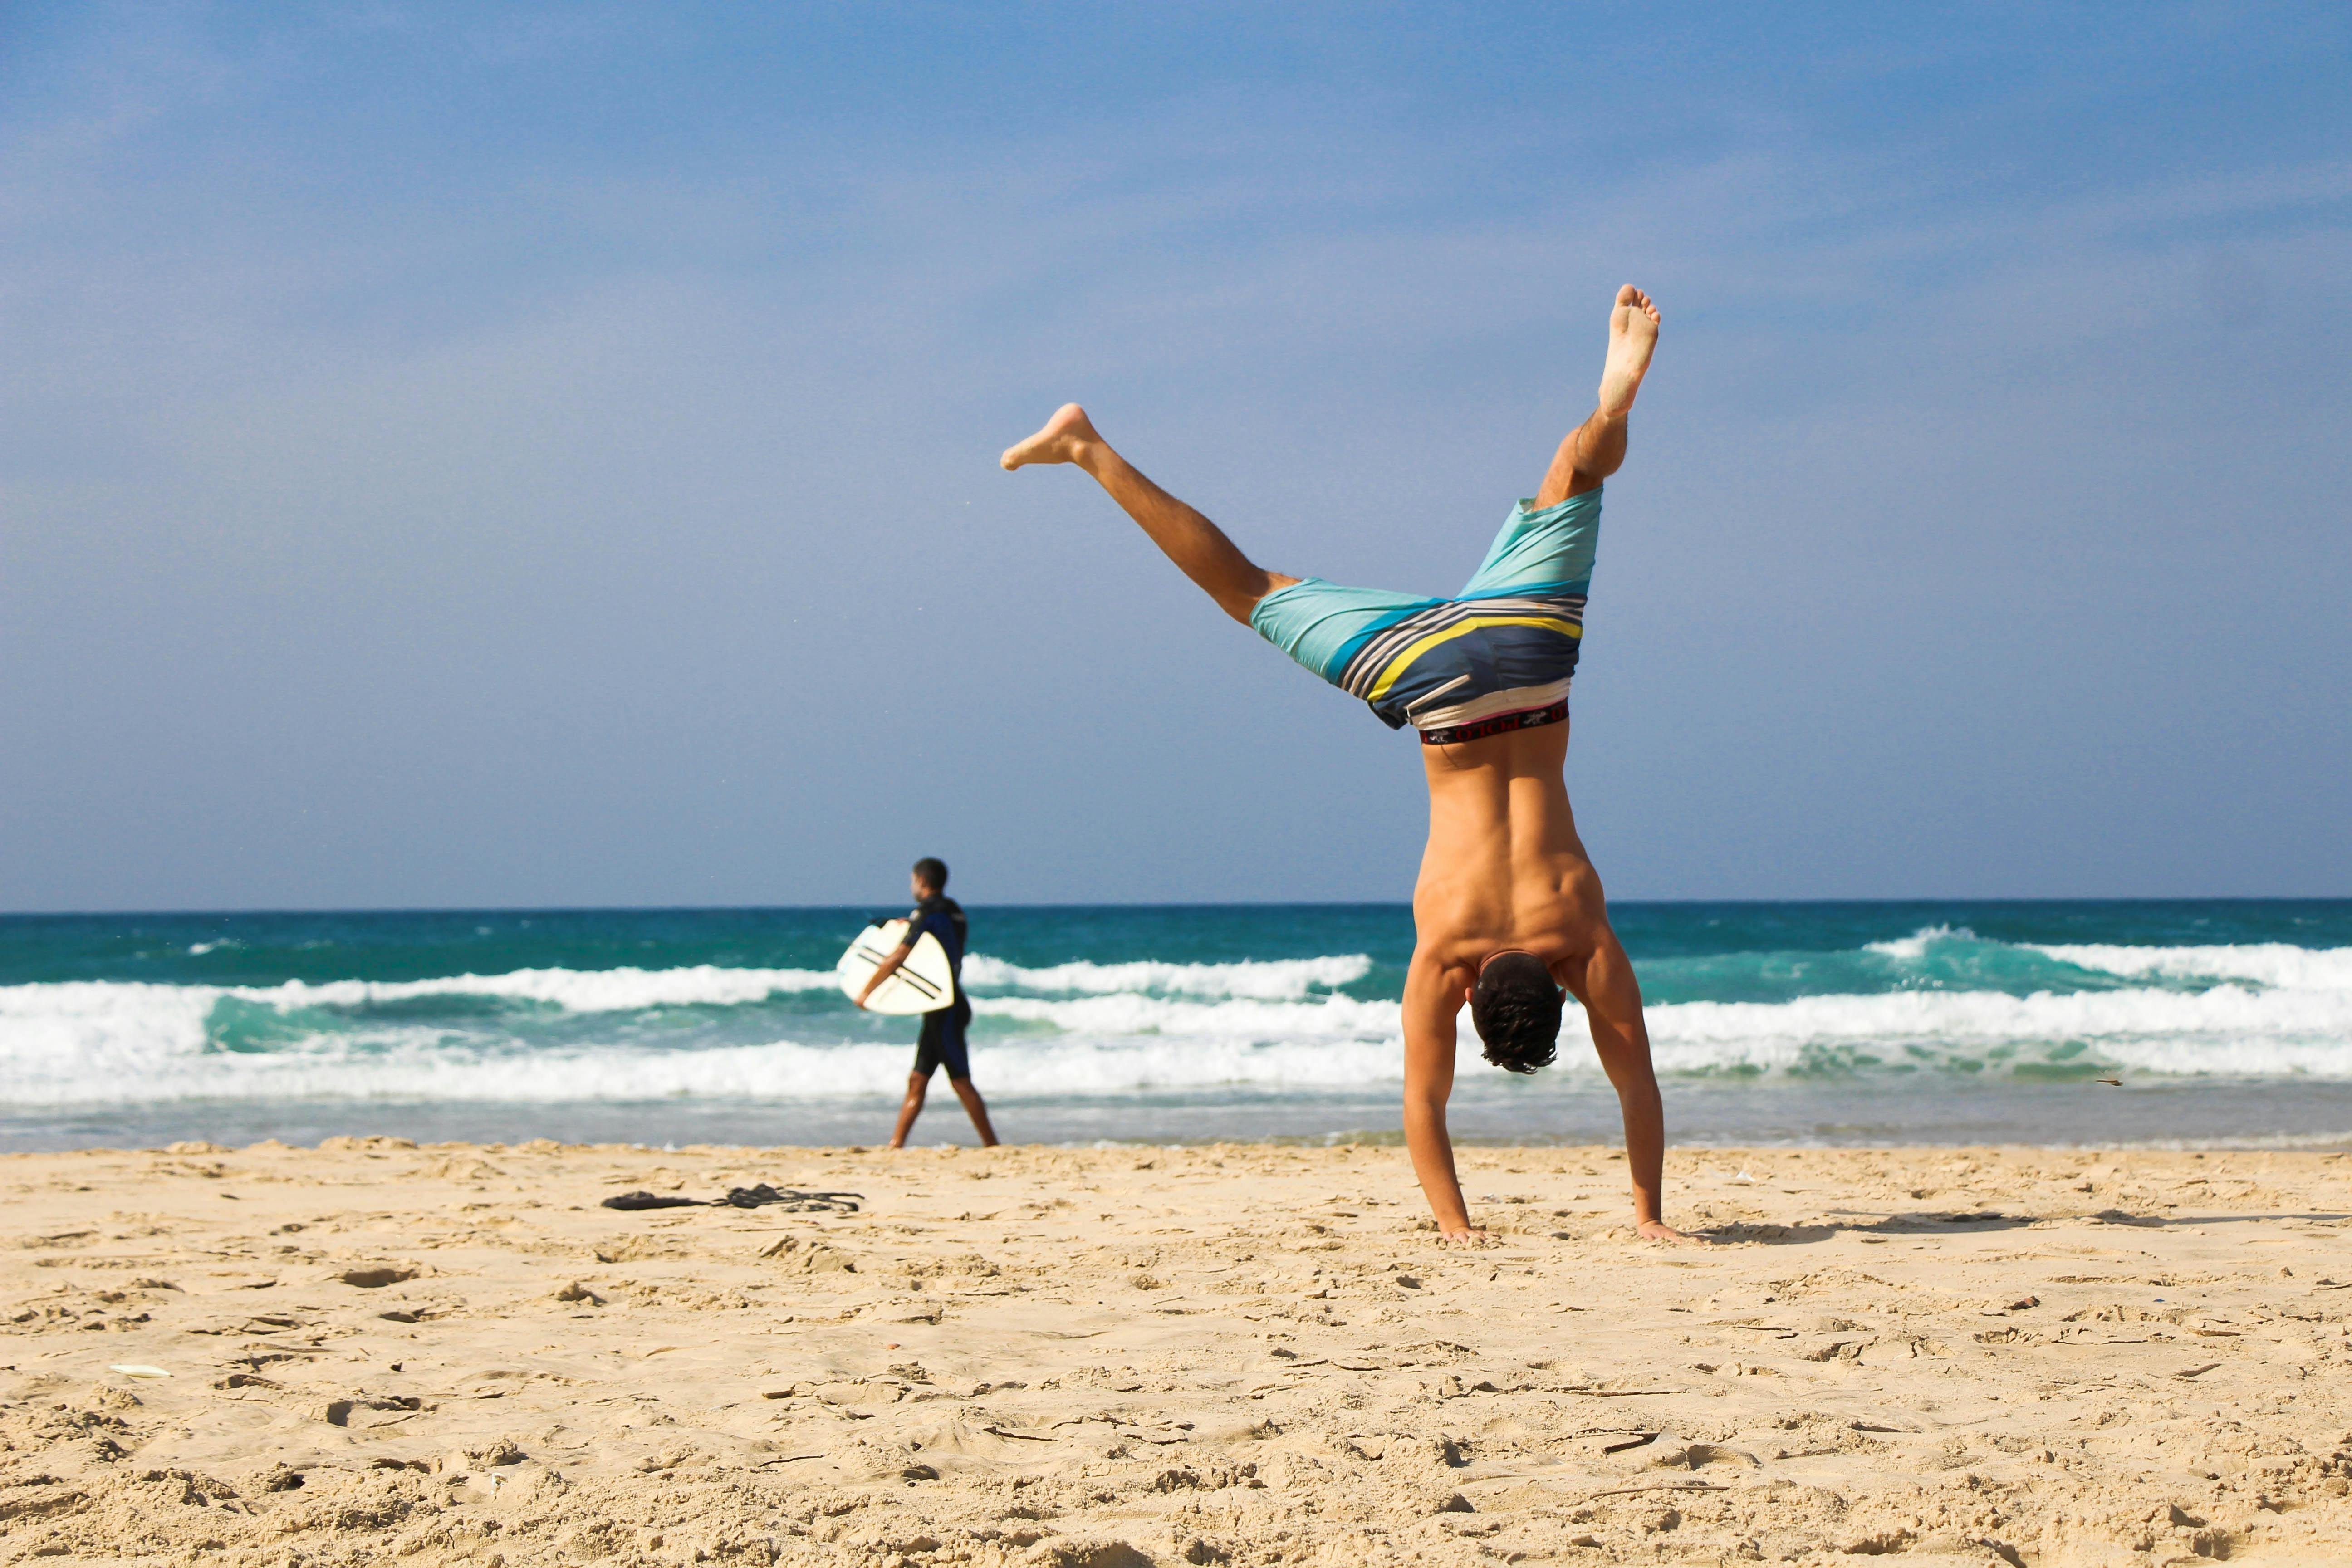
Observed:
{"x":1499,"y":655}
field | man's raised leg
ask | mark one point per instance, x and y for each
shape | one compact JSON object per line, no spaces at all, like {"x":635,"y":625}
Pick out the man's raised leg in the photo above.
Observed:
{"x":1197,"y":546}
{"x":1596,"y":448}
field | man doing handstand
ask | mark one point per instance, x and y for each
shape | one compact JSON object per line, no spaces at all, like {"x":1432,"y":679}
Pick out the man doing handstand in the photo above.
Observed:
{"x":1507,"y":903}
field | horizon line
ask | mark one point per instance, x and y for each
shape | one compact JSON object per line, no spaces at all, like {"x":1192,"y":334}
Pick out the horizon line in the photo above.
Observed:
{"x":257,"y":912}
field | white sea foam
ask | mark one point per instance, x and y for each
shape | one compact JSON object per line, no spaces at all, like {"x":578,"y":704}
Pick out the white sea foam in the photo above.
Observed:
{"x":94,"y":1039}
{"x":2258,"y":1010}
{"x":1179,"y":1019}
{"x":574,"y":989}
{"x":1915,"y":945}
{"x":415,"y":1064}
{"x":101,"y":1042}
{"x":1284,"y":979}
{"x":634,"y":990}
{"x":2274,"y":964}
{"x":2228,"y":1029}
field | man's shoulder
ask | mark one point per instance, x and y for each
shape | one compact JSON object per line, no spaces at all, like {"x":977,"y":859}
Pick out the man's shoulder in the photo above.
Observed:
{"x":1439,"y":954}
{"x":930,"y":910}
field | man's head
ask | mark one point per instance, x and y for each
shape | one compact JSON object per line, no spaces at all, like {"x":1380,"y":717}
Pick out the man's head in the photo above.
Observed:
{"x":1515,"y":1007}
{"x":930,"y":877}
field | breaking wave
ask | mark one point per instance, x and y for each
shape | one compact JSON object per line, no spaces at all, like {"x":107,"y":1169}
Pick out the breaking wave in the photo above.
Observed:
{"x":1941,"y":1000}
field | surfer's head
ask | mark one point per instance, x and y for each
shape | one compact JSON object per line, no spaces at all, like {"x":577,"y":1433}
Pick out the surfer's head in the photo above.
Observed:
{"x":930,"y":877}
{"x":1515,"y":1005}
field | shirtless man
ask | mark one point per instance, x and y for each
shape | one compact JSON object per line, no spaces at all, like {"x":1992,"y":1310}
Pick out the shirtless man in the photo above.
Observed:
{"x":1507,"y":903}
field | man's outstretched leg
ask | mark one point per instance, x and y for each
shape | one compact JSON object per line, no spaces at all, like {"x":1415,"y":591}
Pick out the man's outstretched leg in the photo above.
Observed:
{"x":1596,"y":448}
{"x":1197,"y":546}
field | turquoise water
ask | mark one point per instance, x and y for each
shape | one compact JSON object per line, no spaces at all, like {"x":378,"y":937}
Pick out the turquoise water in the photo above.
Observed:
{"x":2226,"y":1021}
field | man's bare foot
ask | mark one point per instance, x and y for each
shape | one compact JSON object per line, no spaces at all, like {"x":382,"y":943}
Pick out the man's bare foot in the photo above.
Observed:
{"x":1632,"y":337}
{"x":1472,"y":1238}
{"x":1065,"y":437}
{"x":1659,"y":1230}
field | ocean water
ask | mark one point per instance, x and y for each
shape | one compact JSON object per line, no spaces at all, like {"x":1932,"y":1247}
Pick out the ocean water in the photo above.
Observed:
{"x":2226,"y":1022}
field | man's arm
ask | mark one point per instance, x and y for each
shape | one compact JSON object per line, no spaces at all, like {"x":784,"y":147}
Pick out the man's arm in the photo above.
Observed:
{"x":1433,"y":1001}
{"x":888,"y":966}
{"x":1603,"y":981}
{"x":883,"y":971}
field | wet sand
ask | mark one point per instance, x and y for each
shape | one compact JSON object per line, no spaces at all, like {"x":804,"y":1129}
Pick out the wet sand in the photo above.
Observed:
{"x":1229,"y":1354}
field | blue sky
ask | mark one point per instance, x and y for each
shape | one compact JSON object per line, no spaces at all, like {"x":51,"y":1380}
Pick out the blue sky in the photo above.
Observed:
{"x":504,"y":455}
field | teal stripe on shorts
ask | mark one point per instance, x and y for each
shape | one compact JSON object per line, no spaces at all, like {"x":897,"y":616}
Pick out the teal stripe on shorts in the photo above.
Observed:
{"x":1549,"y":550}
{"x":1322,"y":624}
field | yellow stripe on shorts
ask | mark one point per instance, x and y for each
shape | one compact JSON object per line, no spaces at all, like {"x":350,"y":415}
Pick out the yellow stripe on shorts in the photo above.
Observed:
{"x":1404,"y":661}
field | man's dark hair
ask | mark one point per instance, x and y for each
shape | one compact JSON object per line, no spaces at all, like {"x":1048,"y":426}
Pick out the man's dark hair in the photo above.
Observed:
{"x":934,"y":873}
{"x":1515,"y":1005}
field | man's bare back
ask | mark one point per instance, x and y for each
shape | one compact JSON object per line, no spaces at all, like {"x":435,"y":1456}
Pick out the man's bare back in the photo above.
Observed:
{"x":1504,"y":872}
{"x":1504,"y":867}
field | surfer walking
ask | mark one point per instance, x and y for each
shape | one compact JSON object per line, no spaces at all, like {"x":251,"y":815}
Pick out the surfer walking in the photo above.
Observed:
{"x":1508,"y":910}
{"x":942,"y":1040}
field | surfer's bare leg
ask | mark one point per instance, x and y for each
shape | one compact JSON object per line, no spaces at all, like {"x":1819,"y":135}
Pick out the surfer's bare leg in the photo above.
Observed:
{"x":917,"y":1085}
{"x":1596,"y":448}
{"x":975,"y":1108}
{"x":1199,"y":547}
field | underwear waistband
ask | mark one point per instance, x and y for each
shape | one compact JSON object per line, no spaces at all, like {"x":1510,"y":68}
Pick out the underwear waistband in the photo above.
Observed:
{"x":1499,"y":725}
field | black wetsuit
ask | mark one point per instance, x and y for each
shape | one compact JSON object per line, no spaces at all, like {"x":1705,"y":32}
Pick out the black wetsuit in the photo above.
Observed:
{"x":942,"y":1043}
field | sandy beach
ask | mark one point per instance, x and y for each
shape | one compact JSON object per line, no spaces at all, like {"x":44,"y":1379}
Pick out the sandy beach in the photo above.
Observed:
{"x":1223,"y":1354}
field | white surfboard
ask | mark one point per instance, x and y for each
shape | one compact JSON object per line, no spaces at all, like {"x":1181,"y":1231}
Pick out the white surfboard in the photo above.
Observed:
{"x":924,"y":983}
